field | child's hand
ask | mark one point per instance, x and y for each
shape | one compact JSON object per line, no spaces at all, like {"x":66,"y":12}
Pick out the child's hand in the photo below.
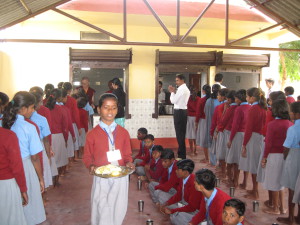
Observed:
{"x":229,"y":144}
{"x":263,"y":162}
{"x":130,"y":165}
{"x":147,"y":167}
{"x":92,"y":169}
{"x":167,"y":211}
{"x":244,"y":152}
{"x":24,"y":198}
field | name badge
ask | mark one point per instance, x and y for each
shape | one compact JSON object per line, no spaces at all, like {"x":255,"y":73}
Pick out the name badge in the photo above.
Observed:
{"x":114,"y":155}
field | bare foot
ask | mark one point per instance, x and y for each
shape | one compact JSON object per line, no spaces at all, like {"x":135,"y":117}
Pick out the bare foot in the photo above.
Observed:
{"x":203,"y":161}
{"x":272,"y":211}
{"x":267,"y":204}
{"x":253,"y":196}
{"x":242,"y":186}
{"x":286,"y":220}
{"x":283,"y":211}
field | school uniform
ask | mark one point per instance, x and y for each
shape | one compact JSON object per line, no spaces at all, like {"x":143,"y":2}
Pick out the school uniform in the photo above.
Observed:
{"x":30,"y":144}
{"x":290,"y":99}
{"x":1,"y":115}
{"x":237,"y":135}
{"x":70,"y":130}
{"x":185,"y":203}
{"x":142,"y":157}
{"x":211,"y":209}
{"x":12,"y":180}
{"x":71,"y":103}
{"x":45,"y":112}
{"x":291,"y":169}
{"x":253,"y":138}
{"x":276,"y":135}
{"x":59,"y":128}
{"x":191,"y":118}
{"x":226,"y":125}
{"x":84,"y":125}
{"x":90,"y":111}
{"x":109,"y":197}
{"x":44,"y":129}
{"x":156,"y":169}
{"x":296,"y":197}
{"x":200,"y":116}
{"x":166,"y":188}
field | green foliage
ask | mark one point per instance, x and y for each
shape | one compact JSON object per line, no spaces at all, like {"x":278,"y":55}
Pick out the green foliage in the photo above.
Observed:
{"x":292,"y":62}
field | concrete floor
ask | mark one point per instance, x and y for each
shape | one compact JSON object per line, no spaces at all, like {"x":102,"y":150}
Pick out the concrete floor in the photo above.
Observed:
{"x":70,"y":203}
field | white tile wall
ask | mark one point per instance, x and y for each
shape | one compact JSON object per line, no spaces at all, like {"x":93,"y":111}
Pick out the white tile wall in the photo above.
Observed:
{"x":141,"y":116}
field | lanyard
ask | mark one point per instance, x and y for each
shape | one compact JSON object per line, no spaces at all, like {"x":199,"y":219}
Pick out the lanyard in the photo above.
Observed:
{"x":112,"y":141}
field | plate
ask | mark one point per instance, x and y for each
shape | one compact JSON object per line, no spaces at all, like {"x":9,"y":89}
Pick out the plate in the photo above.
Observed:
{"x":122,"y":171}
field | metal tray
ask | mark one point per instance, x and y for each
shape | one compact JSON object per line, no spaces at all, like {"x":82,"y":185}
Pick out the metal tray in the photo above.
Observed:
{"x":124,"y":172}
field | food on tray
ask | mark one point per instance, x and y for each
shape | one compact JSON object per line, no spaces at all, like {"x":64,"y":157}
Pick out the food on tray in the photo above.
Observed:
{"x":109,"y":169}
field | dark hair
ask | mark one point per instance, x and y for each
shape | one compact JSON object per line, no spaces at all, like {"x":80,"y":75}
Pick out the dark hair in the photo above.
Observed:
{"x":180,"y":77}
{"x":116,"y":81}
{"x":37,"y":89}
{"x":215,"y":90}
{"x":158,"y":148}
{"x":259,"y":95}
{"x":143,"y":130}
{"x":64,"y":93}
{"x":107,"y":96}
{"x":239,"y":206}
{"x":81,"y":93}
{"x":81,"y":102}
{"x":54,"y":95}
{"x":218,"y":77}
{"x":3,"y":99}
{"x":270,"y":80}
{"x":167,"y":154}
{"x":38,"y":98}
{"x":298,"y":98}
{"x":231,"y":95}
{"x":241,"y":95}
{"x":21,"y":99}
{"x":295,"y":107}
{"x":186,"y":164}
{"x":60,"y":85}
{"x":67,"y":86}
{"x":207,"y":89}
{"x":223,"y":92}
{"x":206,"y":178}
{"x":85,"y":78}
{"x":149,"y":136}
{"x":276,"y":95}
{"x":289,"y":90}
{"x":48,"y":88}
{"x":280,"y":108}
{"x":160,"y":83}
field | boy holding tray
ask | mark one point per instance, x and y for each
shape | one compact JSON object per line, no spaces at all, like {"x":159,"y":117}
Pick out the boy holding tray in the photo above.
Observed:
{"x":108,"y":143}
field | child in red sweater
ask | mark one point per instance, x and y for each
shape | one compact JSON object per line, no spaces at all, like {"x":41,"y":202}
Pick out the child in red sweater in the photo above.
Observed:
{"x":84,"y":122}
{"x":212,"y":201}
{"x":289,"y":91}
{"x":154,"y":169}
{"x":185,"y":203}
{"x":144,"y":155}
{"x":233,"y":212}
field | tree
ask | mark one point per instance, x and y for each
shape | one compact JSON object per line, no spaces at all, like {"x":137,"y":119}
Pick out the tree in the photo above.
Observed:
{"x":289,"y":66}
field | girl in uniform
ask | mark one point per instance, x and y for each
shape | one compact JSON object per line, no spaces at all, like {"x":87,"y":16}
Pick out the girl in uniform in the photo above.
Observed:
{"x":236,"y":138}
{"x":273,"y":154}
{"x":253,"y":139}
{"x":3,"y":102}
{"x":15,"y":113}
{"x":108,"y":143}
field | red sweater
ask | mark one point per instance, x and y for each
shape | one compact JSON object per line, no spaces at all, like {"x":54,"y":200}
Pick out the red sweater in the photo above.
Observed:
{"x":72,"y":105}
{"x":156,"y":169}
{"x":269,"y":118}
{"x":200,"y":109}
{"x":144,"y":154}
{"x":239,"y":120}
{"x":226,"y":122}
{"x":191,"y":196}
{"x":11,"y":165}
{"x":217,"y":116}
{"x":67,"y":114}
{"x":215,"y":209}
{"x":45,"y":112}
{"x":255,"y":122}
{"x":96,"y":146}
{"x":290,"y":99}
{"x":84,"y":119}
{"x":166,"y":184}
{"x":192,"y":106}
{"x":59,"y":121}
{"x":276,"y":134}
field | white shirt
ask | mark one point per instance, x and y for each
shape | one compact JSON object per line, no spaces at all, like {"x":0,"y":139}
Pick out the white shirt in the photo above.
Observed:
{"x":180,"y":99}
{"x":222,"y":86}
{"x":161,"y":96}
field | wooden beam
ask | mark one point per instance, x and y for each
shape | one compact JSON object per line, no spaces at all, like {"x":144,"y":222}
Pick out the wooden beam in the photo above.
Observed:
{"x":87,"y":24}
{"x":256,"y":33}
{"x":25,"y":6}
{"x":34,"y":14}
{"x":227,"y":23}
{"x":197,"y":20}
{"x":178,"y":21}
{"x":125,"y":20}
{"x":159,"y":20}
{"x":185,"y":45}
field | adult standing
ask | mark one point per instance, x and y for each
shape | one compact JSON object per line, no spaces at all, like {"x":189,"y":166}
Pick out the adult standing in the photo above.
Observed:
{"x":90,"y":92}
{"x":269,"y":83}
{"x":121,"y":95}
{"x":180,"y":100}
{"x":219,"y":80}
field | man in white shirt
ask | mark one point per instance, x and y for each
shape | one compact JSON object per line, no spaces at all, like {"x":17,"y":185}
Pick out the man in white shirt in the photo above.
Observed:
{"x":219,"y":80}
{"x":269,"y":83}
{"x":180,"y":100}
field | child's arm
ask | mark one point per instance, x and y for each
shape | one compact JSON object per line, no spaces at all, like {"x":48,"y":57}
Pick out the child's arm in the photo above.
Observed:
{"x":88,"y":158}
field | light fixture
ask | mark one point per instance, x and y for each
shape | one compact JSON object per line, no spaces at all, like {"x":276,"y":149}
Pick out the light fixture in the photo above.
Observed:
{"x":85,"y":68}
{"x":76,"y":83}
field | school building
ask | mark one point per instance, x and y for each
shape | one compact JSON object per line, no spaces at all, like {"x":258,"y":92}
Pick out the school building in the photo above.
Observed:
{"x":143,"y":42}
